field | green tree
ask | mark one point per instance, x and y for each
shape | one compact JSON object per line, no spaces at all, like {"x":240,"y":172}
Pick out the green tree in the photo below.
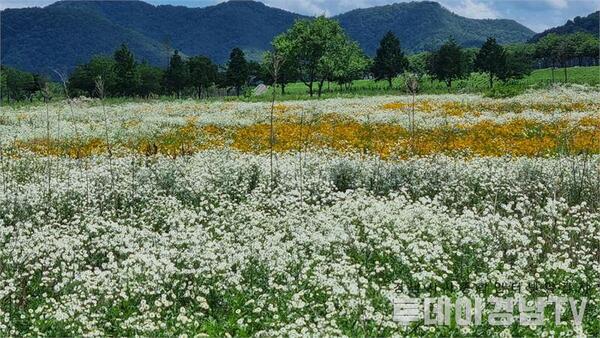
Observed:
{"x":82,"y":79}
{"x":237,"y":70}
{"x":313,"y":47}
{"x":519,"y":60}
{"x":469,"y":56}
{"x":221,"y":76}
{"x":547,"y":48}
{"x":566,"y":50}
{"x":448,"y":63}
{"x":149,"y":79}
{"x":104,"y":67}
{"x":18,"y":84}
{"x":491,"y":59}
{"x":255,"y":71}
{"x":203,"y":73}
{"x":38,"y":83}
{"x":177,"y":75}
{"x":351,"y":65}
{"x":288,"y":71}
{"x":125,"y":80}
{"x":590,"y":49}
{"x":332,"y":61}
{"x":417,"y":63}
{"x":586,"y":47}
{"x":3,"y":89}
{"x":389,"y":61}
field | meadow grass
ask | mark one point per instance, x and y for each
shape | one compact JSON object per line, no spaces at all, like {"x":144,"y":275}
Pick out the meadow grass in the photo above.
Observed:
{"x":475,"y":83}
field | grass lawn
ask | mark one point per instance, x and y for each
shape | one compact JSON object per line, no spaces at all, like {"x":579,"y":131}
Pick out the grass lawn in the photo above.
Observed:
{"x":475,"y":83}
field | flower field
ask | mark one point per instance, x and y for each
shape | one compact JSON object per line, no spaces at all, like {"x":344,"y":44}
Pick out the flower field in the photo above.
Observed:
{"x":536,"y":124}
{"x":173,"y":218}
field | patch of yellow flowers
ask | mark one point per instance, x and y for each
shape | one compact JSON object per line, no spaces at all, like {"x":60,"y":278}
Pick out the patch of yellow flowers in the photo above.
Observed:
{"x":518,"y":137}
{"x":455,"y":108}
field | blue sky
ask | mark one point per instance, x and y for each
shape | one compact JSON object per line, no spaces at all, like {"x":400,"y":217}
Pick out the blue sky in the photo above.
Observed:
{"x":535,"y":14}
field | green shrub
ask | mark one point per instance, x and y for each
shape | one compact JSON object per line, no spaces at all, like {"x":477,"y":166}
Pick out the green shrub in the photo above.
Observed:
{"x":504,"y":91}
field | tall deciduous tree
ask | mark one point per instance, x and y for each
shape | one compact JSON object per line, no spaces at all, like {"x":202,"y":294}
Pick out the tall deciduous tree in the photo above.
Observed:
{"x":18,"y":84}
{"x":519,"y":61}
{"x":491,"y":59}
{"x":124,"y":67}
{"x":448,"y":63}
{"x":288,"y":71}
{"x":417,"y":64}
{"x":203,"y":73}
{"x":83,"y":78}
{"x":177,"y":75}
{"x":350,"y":65}
{"x":313,"y":47}
{"x":237,"y":70}
{"x":389,"y":61}
{"x":255,"y":72}
{"x":566,"y":50}
{"x":149,"y":78}
{"x":546,"y":48}
{"x":586,"y":47}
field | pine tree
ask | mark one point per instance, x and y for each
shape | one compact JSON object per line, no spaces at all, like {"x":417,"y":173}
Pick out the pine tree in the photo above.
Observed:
{"x":491,"y":59}
{"x":177,"y":75}
{"x":125,"y":84}
{"x":390,"y":60}
{"x":237,"y":70}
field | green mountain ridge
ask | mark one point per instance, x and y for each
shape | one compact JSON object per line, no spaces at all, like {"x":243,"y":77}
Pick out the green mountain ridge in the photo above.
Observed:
{"x":588,"y":24}
{"x":99,"y":37}
{"x":425,"y":26}
{"x":61,"y":35}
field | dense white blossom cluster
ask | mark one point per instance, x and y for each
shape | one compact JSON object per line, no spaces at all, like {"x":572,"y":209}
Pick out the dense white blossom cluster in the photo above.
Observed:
{"x":87,"y":118}
{"x":213,"y":244}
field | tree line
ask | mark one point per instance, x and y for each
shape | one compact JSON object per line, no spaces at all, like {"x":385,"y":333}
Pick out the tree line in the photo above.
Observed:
{"x":313,"y":52}
{"x":567,"y":50}
{"x":17,"y":85}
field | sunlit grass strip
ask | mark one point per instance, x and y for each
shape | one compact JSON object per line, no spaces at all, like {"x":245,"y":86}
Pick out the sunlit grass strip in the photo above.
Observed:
{"x":518,"y":137}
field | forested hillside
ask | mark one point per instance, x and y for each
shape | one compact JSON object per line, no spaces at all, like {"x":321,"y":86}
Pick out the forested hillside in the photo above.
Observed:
{"x":70,"y":32}
{"x":66,"y":33}
{"x":49,"y":39}
{"x":587,"y":24}
{"x":425,"y":26}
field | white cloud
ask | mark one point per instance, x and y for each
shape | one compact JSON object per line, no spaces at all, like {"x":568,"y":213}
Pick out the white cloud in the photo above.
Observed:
{"x":320,"y":7}
{"x":307,"y":7}
{"x":471,"y":9}
{"x":559,"y":4}
{"x":23,"y":3}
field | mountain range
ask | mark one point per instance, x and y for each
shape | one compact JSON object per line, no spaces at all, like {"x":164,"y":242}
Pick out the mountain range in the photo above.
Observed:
{"x":63,"y":34}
